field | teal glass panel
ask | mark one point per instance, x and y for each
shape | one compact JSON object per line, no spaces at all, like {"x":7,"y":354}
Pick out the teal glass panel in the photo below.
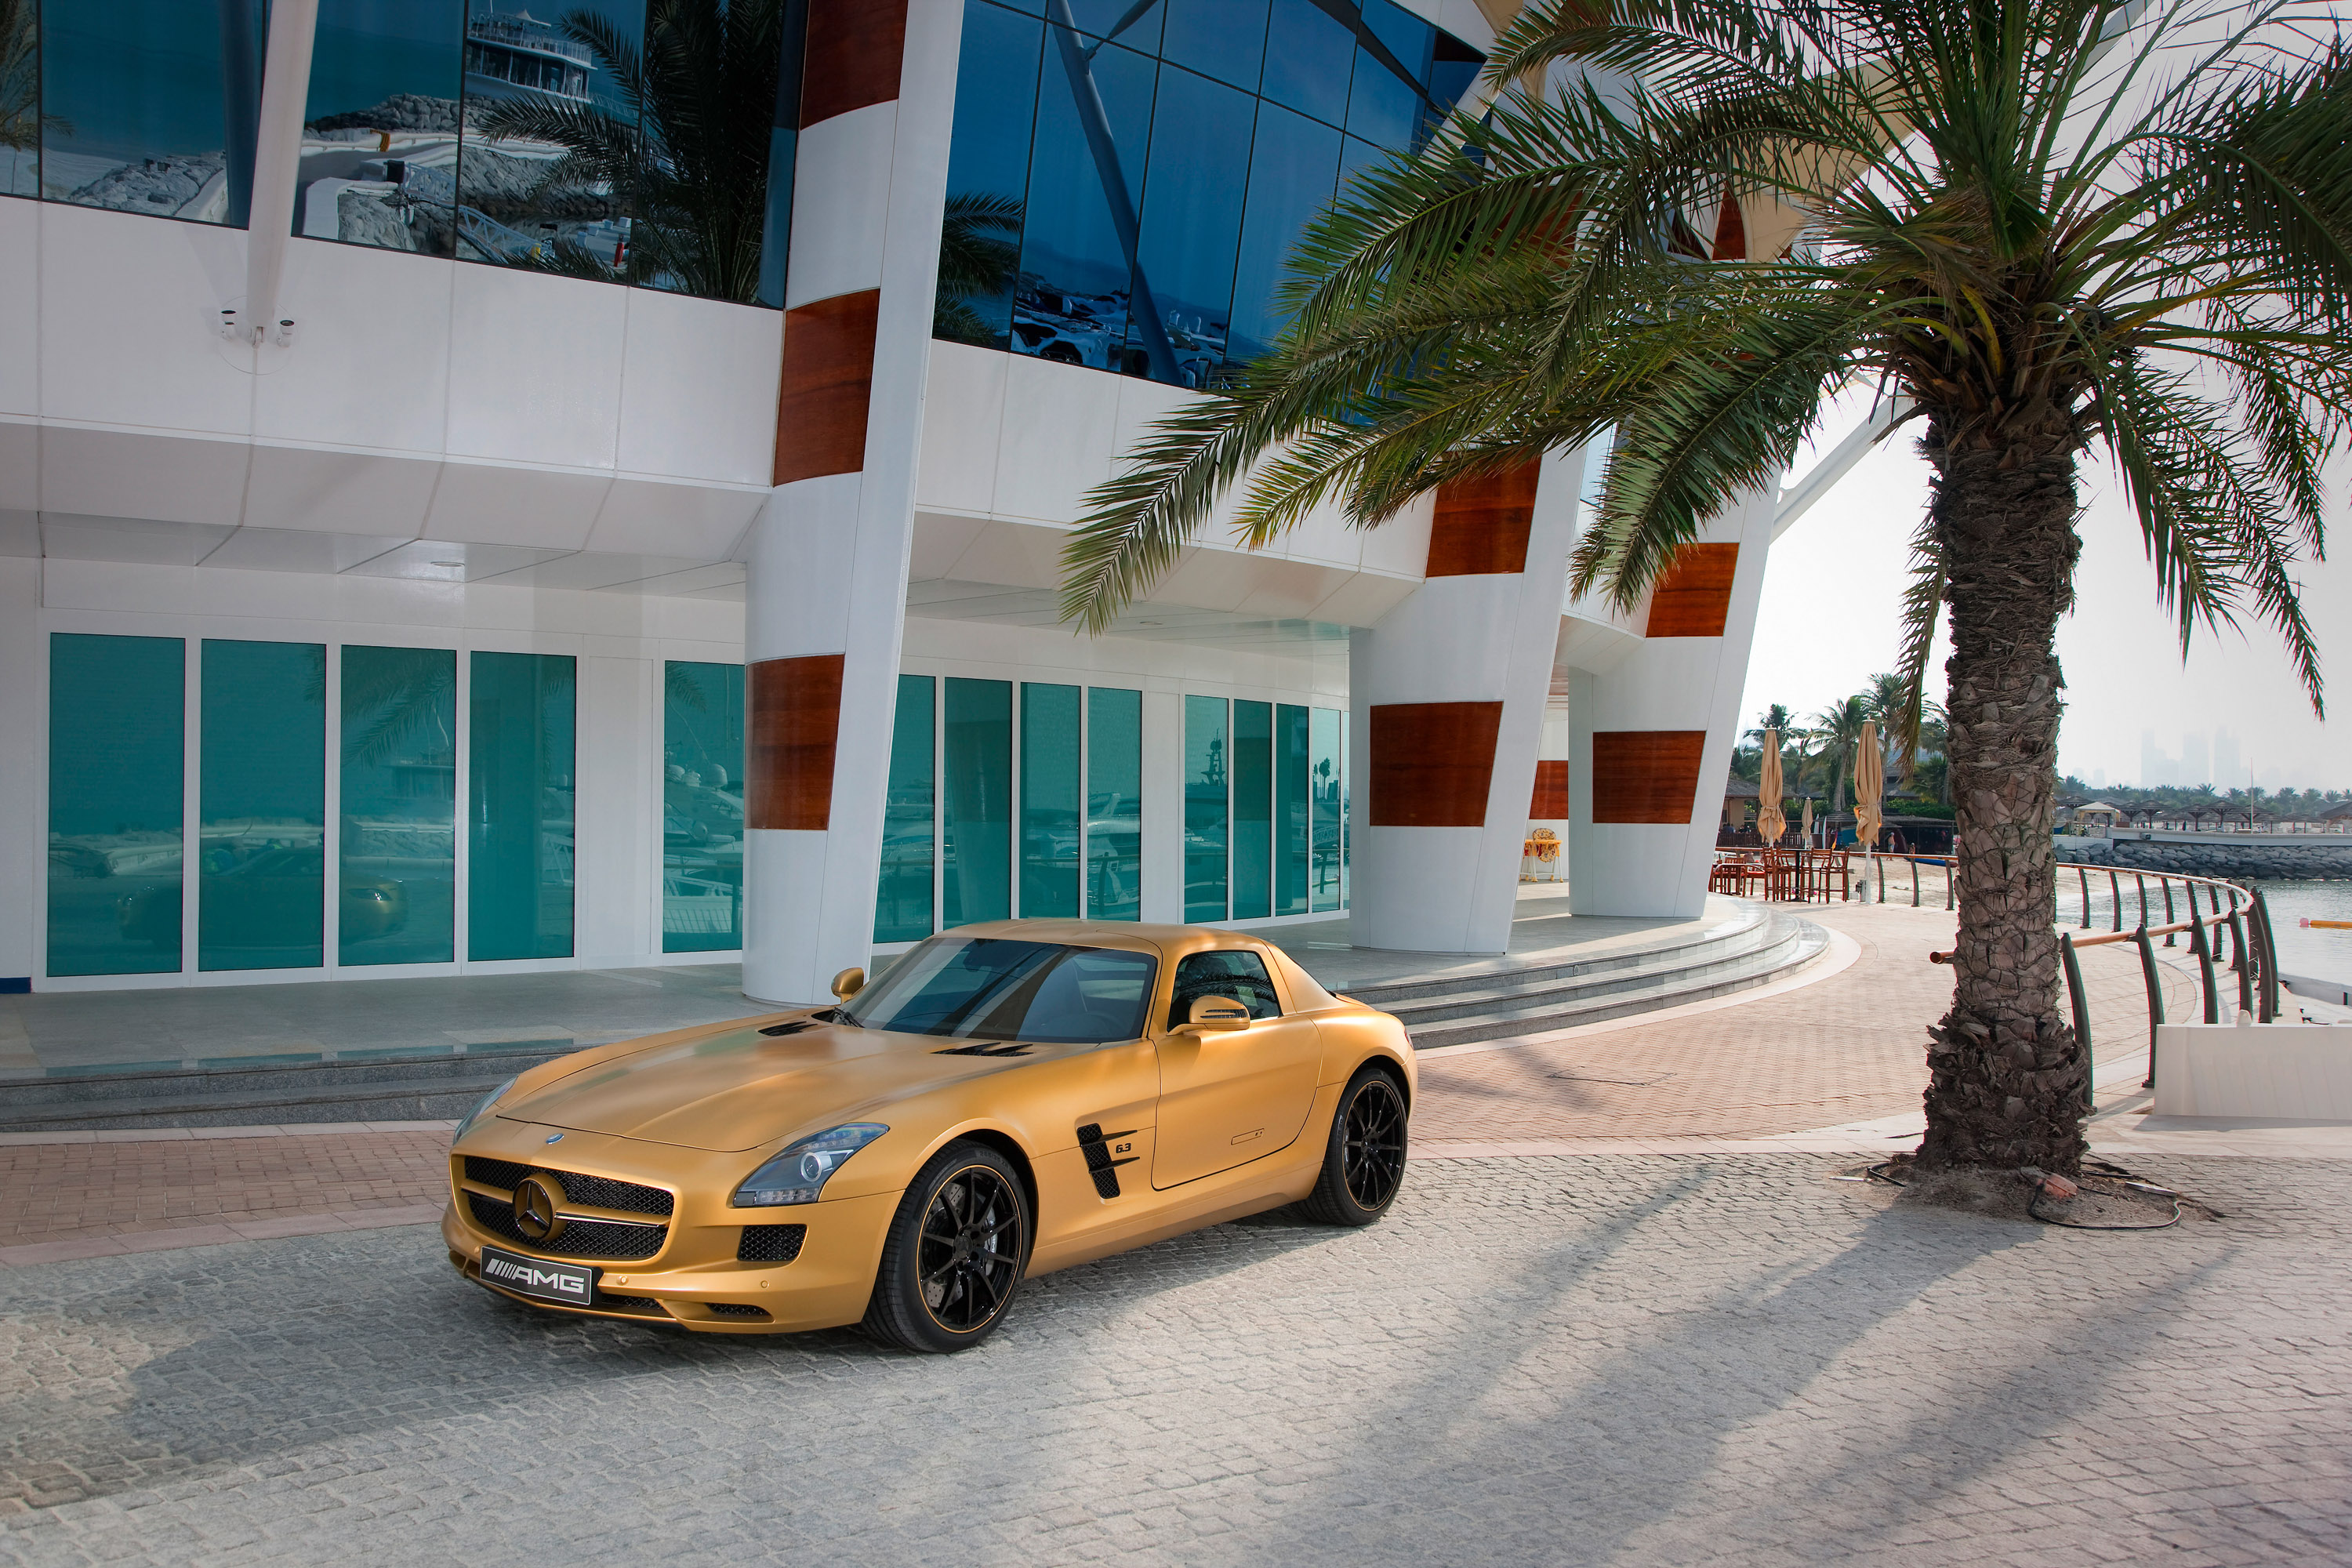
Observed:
{"x":1293,"y":847}
{"x":1205,"y":808}
{"x":1323,"y":783}
{"x":150,"y":106}
{"x":976,"y":804}
{"x":702,"y":806}
{"x":1252,"y":810}
{"x":1114,"y":804}
{"x":1347,"y":817}
{"x":117,"y":735}
{"x":1049,"y":801}
{"x":519,"y":808}
{"x":397,"y":849}
{"x":902,"y":904}
{"x":261,"y":814}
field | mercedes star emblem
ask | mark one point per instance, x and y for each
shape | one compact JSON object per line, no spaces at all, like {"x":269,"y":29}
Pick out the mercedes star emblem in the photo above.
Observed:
{"x":535,"y":1198}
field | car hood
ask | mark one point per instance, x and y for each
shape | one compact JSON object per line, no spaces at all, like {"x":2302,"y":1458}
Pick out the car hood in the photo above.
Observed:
{"x":741,"y":1088}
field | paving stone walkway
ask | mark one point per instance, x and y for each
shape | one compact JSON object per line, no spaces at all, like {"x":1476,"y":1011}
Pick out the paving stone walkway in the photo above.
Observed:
{"x":1624,"y":1360}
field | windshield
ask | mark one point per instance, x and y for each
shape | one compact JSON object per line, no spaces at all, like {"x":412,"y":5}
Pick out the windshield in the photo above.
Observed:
{"x":997,"y":989}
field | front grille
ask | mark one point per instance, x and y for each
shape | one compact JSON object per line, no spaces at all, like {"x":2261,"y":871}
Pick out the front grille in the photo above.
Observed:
{"x":581,"y":1237}
{"x":771,"y":1242}
{"x":738,"y":1309}
{"x":595,"y":1191}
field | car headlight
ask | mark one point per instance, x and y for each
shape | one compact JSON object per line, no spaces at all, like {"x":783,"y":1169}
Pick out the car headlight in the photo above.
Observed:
{"x":799,"y":1174}
{"x":483,"y":1109}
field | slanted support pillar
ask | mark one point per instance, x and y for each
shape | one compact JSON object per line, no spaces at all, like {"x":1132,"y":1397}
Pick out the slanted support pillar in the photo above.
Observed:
{"x":1447,"y":696}
{"x":826,"y":600}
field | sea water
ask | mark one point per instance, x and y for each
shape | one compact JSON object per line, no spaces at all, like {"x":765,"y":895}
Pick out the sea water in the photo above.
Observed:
{"x":2321,"y":954}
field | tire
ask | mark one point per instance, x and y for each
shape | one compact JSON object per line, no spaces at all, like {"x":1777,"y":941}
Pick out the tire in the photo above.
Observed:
{"x":952,"y":1261}
{"x":1363,"y":1159}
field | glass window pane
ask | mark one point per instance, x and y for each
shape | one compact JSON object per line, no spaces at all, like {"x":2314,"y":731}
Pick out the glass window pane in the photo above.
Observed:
{"x":536,"y":93}
{"x":1346,"y":818}
{"x":149,"y":105}
{"x":1293,"y":167}
{"x":380,"y":141}
{"x":706,"y":204}
{"x":1324,"y":741}
{"x":1191,"y":222}
{"x":702,"y":806}
{"x":1114,"y":804}
{"x":398,"y":849}
{"x":20,"y":99}
{"x":1291,"y":813}
{"x":1205,"y":808}
{"x":1384,"y":102}
{"x":988,"y":175}
{"x":261,"y":834}
{"x":1355,"y":156}
{"x":1252,"y":810}
{"x":1086,"y":174}
{"x":519,"y":880}
{"x":118,"y":723}
{"x":1225,"y":38}
{"x":1453,"y":69}
{"x":902,"y":905}
{"x":1135,"y":23}
{"x":1308,"y":57}
{"x":976,"y":804}
{"x":1049,"y":800}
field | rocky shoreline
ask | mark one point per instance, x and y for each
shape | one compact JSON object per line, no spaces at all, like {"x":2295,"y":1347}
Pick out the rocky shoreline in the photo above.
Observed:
{"x":2231,"y":862}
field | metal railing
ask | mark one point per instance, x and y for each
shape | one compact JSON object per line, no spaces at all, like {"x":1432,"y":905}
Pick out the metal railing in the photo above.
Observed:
{"x":2252,"y":957}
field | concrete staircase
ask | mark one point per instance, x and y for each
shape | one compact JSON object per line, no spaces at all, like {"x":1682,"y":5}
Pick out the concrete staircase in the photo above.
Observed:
{"x":424,"y":1087}
{"x":1760,"y":946}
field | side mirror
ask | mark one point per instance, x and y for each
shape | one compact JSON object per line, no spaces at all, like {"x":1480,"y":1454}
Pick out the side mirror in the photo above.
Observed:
{"x":1214,"y":1016}
{"x":848,"y":984}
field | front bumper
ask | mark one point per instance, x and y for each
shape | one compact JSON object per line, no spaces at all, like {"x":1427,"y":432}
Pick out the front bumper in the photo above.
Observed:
{"x":695,"y":1278}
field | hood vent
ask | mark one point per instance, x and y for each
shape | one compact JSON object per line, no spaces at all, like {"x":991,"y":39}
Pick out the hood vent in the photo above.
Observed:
{"x":984,"y":1048}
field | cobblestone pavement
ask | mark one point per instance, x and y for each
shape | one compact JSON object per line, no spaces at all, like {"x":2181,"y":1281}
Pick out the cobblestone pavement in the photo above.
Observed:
{"x":1614,"y":1359}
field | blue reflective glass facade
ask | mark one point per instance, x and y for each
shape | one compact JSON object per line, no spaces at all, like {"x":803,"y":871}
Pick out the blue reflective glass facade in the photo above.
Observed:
{"x":1126,"y":181}
{"x":645,"y":141}
{"x":702,"y":806}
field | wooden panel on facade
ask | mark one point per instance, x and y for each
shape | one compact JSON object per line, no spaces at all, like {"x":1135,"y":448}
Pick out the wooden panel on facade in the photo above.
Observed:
{"x":827,"y":382}
{"x":1479,"y":526}
{"x":1550,"y":802}
{"x":1645,"y":775}
{"x":1432,"y":763}
{"x":789,"y":734}
{"x":1693,"y":598}
{"x":856,"y":48}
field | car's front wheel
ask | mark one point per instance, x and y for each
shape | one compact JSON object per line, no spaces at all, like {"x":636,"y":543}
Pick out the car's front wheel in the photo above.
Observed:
{"x":955,"y":1253}
{"x":1363,"y":1162}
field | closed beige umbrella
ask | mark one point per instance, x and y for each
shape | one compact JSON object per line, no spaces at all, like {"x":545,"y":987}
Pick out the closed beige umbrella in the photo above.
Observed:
{"x":1770,"y":823}
{"x":1807,"y":831}
{"x":1869,"y":778}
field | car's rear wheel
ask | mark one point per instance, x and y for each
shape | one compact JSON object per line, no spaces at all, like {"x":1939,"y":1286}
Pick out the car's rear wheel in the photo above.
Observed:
{"x":953,"y":1259}
{"x":1363,"y":1162}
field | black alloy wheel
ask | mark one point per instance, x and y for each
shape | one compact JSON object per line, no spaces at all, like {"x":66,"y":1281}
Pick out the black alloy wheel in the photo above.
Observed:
{"x":955,"y":1253}
{"x":1363,"y":1165}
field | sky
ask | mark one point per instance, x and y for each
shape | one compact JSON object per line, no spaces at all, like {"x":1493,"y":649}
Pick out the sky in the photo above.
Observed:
{"x":1830,"y":617}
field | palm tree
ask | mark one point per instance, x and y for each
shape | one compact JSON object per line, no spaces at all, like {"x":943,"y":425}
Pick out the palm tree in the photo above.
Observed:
{"x":689,"y":159}
{"x":1839,"y":729}
{"x":2045,"y":225}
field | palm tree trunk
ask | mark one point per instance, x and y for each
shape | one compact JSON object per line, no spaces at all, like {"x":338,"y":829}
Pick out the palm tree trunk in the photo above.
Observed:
{"x":2006,"y":1071}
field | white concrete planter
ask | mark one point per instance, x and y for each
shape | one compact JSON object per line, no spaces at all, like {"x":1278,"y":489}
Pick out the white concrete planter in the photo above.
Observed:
{"x":2300,"y":1072}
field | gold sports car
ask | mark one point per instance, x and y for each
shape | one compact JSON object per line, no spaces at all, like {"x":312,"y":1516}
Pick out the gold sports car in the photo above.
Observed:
{"x":1005,"y":1099}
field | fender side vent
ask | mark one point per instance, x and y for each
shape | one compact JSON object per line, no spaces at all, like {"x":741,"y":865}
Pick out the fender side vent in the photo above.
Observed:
{"x":794,"y":1027}
{"x":1095,"y":1143}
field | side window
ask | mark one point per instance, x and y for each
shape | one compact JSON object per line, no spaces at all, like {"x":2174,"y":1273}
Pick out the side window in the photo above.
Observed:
{"x":1240,"y":976}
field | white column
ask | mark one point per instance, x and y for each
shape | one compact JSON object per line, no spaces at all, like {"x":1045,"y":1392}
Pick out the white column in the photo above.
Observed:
{"x":1471,"y":637}
{"x":828,"y":555}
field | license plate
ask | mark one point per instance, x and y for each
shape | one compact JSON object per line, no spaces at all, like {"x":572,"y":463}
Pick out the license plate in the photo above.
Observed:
{"x":568,"y":1283}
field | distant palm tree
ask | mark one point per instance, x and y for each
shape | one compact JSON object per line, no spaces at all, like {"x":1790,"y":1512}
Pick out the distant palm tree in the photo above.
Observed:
{"x":690,"y":160}
{"x":1839,"y":728}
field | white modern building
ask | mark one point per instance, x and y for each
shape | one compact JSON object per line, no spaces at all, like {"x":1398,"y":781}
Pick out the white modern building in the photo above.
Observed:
{"x":427,"y":549}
